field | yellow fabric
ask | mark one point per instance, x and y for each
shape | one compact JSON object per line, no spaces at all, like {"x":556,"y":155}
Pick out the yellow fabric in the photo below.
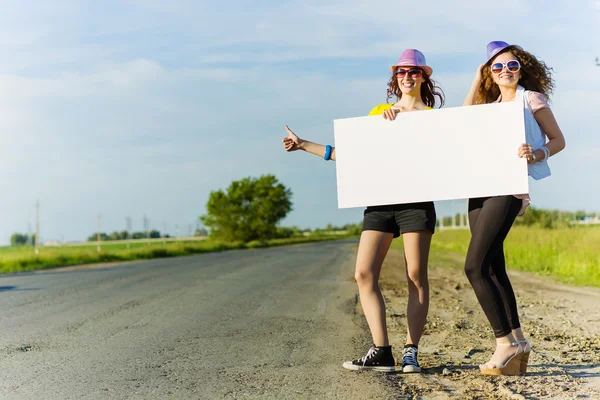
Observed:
{"x":378,"y":110}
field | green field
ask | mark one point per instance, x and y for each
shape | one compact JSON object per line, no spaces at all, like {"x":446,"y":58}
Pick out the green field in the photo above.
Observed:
{"x":572,"y":255}
{"x":19,"y":259}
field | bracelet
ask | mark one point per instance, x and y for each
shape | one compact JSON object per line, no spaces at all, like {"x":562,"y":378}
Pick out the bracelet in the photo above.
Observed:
{"x":327,"y":155}
{"x":546,"y":152}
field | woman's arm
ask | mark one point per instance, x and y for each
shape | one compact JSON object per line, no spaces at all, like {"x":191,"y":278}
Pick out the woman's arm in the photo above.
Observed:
{"x":292,"y":143}
{"x":471,"y":98}
{"x":556,"y":140}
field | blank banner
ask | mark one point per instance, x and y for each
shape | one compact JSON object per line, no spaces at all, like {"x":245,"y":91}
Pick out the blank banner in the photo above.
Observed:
{"x":446,"y":154}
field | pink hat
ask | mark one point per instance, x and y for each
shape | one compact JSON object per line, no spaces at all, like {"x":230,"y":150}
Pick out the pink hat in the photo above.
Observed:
{"x":412,"y":58}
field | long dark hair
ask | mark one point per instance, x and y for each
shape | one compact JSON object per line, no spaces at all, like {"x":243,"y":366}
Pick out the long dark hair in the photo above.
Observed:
{"x":429,"y":91}
{"x":535,"y":76}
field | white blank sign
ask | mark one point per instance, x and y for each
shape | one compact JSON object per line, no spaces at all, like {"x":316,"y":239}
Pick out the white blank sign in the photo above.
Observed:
{"x":446,"y":154}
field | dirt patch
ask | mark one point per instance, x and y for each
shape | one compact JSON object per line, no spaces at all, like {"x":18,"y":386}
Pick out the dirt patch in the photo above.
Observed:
{"x":562,"y":322}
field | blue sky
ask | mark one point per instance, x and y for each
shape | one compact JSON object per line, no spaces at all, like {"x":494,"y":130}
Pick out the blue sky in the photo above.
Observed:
{"x":133,"y":108}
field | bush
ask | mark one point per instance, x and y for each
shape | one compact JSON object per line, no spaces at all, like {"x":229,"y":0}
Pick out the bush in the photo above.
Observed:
{"x":249,"y":210}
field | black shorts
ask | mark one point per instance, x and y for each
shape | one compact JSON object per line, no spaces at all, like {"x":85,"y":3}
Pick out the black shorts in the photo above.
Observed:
{"x":400,"y":218}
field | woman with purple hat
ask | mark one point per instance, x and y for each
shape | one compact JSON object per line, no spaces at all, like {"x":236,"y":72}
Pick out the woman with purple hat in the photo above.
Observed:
{"x":414,"y":90}
{"x":509,"y":74}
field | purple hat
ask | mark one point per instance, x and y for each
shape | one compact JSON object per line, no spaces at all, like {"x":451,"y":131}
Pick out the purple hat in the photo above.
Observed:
{"x":494,"y":48}
{"x":412,"y":58}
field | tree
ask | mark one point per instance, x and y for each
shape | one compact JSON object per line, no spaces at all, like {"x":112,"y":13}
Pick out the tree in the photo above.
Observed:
{"x":285,"y":232}
{"x":249,"y":210}
{"x":103,"y":237}
{"x":201,"y":232}
{"x":19,"y":239}
{"x":123,"y":235}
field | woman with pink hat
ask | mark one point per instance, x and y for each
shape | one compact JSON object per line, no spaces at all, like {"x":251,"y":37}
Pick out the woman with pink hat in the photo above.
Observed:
{"x":509,"y":74}
{"x":414,"y":90}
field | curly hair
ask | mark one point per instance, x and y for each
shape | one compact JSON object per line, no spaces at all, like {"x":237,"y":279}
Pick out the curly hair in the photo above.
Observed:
{"x":535,"y":76}
{"x":429,"y":91}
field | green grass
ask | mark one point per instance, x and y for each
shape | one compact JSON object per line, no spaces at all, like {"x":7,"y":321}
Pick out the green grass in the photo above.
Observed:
{"x":8,"y":251}
{"x":22,"y":259}
{"x":572,"y":255}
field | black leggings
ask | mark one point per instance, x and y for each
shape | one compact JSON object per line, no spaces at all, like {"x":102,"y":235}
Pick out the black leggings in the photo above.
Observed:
{"x":490,"y":219}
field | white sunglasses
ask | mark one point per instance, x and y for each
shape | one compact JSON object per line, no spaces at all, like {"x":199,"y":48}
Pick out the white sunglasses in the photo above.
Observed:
{"x":512,"y":66}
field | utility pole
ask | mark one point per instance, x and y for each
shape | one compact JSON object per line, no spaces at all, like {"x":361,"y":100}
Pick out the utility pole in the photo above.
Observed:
{"x":37,"y":227}
{"x":98,"y":248}
{"x":147,"y":228}
{"x":128,"y":227}
{"x":453,"y":216}
{"x":129,"y":234}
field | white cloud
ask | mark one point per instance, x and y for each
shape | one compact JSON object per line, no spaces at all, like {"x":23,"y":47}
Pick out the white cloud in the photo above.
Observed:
{"x":137,"y":137}
{"x":139,"y":107}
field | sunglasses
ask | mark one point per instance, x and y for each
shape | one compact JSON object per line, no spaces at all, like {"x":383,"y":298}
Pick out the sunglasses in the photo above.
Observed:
{"x":512,"y":66}
{"x":413,"y":72}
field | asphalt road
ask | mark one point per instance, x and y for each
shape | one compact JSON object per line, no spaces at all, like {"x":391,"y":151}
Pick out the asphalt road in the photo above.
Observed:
{"x":271,"y":323}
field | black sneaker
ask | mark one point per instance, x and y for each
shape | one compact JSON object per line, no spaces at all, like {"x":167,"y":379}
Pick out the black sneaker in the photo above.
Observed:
{"x":376,"y":359}
{"x":409,"y":359}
